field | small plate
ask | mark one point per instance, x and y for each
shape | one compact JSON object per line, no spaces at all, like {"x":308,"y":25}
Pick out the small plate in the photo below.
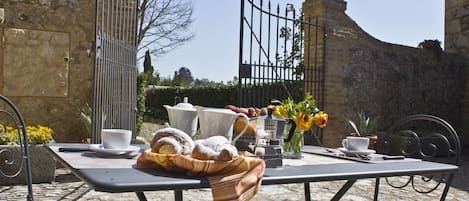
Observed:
{"x":99,"y":149}
{"x":350,"y":152}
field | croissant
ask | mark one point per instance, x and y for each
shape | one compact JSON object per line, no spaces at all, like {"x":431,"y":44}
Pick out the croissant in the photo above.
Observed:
{"x":214,"y":148}
{"x":171,"y":141}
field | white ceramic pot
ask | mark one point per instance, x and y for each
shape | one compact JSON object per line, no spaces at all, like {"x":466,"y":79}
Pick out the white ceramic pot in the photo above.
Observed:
{"x":219,"y":122}
{"x":183,"y":116}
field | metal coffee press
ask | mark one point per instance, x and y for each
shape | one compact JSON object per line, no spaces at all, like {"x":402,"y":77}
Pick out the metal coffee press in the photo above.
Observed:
{"x":269,"y":139}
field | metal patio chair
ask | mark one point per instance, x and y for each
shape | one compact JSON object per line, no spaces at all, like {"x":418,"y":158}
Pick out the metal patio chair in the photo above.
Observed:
{"x":425,"y":137}
{"x":10,"y":165}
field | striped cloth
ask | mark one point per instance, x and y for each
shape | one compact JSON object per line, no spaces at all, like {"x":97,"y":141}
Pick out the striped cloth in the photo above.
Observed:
{"x":238,"y":179}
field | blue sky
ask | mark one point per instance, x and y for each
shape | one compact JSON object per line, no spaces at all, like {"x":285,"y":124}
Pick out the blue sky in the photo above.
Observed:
{"x":213,"y":53}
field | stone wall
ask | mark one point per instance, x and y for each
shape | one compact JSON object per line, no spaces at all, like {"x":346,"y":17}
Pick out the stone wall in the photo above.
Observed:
{"x":44,"y":65}
{"x":457,"y":26}
{"x":457,"y":42}
{"x":42,"y":161}
{"x":382,"y":79}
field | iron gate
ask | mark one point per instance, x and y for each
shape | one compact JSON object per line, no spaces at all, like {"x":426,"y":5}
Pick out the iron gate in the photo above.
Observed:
{"x":115,"y":72}
{"x":279,"y":55}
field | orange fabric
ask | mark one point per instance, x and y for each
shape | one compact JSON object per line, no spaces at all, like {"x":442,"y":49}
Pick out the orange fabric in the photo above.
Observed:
{"x":238,"y":179}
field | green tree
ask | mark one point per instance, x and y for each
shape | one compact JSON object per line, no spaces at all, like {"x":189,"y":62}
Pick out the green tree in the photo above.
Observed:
{"x":165,"y":82}
{"x":147,"y":67}
{"x":183,"y":77}
{"x":432,"y":45}
{"x":151,"y":78}
{"x":295,"y":55}
{"x":234,"y":81}
{"x":141,"y":85}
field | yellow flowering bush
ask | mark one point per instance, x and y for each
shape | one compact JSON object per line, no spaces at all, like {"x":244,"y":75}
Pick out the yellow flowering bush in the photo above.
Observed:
{"x":36,"y":135}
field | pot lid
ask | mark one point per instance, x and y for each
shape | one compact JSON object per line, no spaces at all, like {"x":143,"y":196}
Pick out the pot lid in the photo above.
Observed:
{"x":185,"y":104}
{"x":219,"y":110}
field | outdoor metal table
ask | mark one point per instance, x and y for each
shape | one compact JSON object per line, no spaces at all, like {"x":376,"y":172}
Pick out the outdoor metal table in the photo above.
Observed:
{"x":118,"y":175}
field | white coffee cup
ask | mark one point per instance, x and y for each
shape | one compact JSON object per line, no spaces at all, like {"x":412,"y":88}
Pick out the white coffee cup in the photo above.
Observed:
{"x":116,"y":138}
{"x":355,"y":143}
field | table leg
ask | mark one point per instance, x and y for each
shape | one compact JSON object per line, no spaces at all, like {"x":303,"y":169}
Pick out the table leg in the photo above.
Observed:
{"x":178,"y":195}
{"x":343,"y":190}
{"x":448,"y":184}
{"x":141,"y":196}
{"x":307,"y":192}
{"x":375,"y":198}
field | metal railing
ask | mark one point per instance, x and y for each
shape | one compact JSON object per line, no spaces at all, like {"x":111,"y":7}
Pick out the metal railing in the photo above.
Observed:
{"x":115,"y":72}
{"x":279,"y":55}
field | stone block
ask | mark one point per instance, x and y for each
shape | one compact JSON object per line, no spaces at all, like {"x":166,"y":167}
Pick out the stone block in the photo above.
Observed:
{"x":36,"y":63}
{"x":43,"y":164}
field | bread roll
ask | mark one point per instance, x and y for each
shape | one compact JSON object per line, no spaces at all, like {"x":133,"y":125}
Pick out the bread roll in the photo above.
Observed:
{"x":167,"y":145}
{"x":171,"y":141}
{"x":214,"y":148}
{"x":241,"y":123}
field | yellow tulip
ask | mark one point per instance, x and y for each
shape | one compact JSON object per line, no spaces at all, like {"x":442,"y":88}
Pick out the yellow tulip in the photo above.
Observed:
{"x":280,"y":111}
{"x":320,"y":119}
{"x":303,"y":121}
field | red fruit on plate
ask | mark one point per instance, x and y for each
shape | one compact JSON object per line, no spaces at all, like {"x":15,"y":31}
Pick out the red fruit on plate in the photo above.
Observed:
{"x":251,"y":112}
{"x":231,"y":107}
{"x":237,"y":109}
{"x":244,"y":111}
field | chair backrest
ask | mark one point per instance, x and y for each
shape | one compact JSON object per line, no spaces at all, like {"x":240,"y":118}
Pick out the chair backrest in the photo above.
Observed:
{"x":422,"y":136}
{"x":11,"y":125}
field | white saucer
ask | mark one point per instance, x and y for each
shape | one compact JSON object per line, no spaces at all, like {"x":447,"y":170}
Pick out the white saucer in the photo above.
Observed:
{"x":362,"y":152}
{"x":99,"y":149}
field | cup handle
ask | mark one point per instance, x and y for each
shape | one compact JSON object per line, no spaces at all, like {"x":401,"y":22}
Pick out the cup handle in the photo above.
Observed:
{"x":344,"y":143}
{"x":244,"y":129}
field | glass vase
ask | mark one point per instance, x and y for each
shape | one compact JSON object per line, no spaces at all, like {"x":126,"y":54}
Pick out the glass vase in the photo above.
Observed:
{"x":293,"y":146}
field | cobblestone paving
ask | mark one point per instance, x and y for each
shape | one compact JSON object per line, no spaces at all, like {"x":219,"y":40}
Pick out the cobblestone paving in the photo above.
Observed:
{"x":67,"y":187}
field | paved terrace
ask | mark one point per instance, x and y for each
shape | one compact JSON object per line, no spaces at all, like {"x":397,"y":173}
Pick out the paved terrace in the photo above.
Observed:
{"x":68,"y":187}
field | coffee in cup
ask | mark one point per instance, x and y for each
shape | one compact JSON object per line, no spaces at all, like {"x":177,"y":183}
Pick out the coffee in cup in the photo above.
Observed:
{"x":355,"y":143}
{"x":116,"y":138}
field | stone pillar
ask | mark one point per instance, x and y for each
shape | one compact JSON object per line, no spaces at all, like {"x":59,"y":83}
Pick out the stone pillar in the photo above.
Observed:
{"x":457,"y":42}
{"x":330,"y":14}
{"x":457,"y":26}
